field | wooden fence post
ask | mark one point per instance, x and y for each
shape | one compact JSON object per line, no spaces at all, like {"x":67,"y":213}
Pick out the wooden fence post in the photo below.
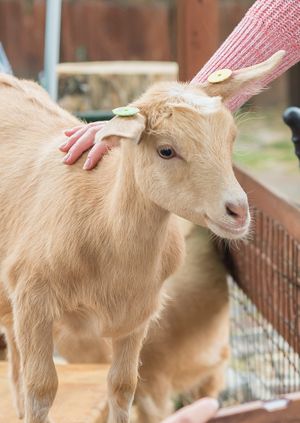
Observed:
{"x":197,"y":34}
{"x":294,"y":86}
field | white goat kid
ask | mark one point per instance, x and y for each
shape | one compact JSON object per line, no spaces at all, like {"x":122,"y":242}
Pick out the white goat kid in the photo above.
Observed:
{"x":102,"y":243}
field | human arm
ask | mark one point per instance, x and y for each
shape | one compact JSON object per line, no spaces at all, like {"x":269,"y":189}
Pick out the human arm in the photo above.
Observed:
{"x":268,"y":26}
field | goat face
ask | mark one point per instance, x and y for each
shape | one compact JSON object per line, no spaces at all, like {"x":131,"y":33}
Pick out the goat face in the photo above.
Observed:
{"x":183,"y":163}
{"x":183,"y":145}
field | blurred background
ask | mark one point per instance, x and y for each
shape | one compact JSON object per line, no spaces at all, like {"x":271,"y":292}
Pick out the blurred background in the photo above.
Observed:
{"x":111,"y":50}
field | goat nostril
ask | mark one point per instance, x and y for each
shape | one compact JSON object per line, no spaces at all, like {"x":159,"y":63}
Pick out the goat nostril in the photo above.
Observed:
{"x":238,"y":211}
{"x":231,"y":212}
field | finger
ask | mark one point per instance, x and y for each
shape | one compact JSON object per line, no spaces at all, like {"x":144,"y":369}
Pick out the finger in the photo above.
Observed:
{"x":76,"y":133}
{"x":95,"y":155}
{"x":65,"y":147}
{"x":98,"y":151}
{"x":71,"y":131}
{"x":199,"y":412}
{"x":81,"y":145}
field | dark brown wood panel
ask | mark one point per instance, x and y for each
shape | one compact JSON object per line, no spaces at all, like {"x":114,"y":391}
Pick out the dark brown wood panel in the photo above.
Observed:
{"x":22,"y":34}
{"x":91,"y":30}
{"x":197,"y":35}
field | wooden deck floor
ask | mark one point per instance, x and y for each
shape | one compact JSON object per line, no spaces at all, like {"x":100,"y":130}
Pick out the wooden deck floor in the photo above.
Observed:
{"x":81,"y":394}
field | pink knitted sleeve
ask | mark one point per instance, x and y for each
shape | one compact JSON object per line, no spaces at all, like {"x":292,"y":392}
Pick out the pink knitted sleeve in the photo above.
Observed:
{"x":268,"y":26}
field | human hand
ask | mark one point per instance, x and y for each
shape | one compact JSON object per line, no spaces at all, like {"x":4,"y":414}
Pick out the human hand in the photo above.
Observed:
{"x":80,"y":139}
{"x":199,"y":412}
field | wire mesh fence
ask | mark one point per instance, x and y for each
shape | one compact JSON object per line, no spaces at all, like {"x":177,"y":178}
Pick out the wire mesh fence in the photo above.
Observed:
{"x":265,"y":304}
{"x":263,"y":365}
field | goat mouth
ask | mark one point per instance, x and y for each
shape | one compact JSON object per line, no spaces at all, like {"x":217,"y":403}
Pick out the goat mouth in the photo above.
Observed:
{"x":226,"y":229}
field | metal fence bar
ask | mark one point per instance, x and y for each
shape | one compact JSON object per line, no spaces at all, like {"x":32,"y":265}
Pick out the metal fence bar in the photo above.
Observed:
{"x":52,"y":46}
{"x":4,"y":63}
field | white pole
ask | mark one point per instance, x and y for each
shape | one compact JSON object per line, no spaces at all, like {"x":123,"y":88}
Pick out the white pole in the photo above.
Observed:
{"x":52,"y":46}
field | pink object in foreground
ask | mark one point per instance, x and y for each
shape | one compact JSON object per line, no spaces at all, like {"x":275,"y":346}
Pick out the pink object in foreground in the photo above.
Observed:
{"x":199,"y":412}
{"x":268,"y":26}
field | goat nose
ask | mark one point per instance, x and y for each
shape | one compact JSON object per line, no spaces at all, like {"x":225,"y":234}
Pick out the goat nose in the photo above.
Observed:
{"x":238,"y":212}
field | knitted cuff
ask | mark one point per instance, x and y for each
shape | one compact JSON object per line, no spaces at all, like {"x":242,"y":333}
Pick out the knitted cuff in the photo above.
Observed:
{"x":268,"y":26}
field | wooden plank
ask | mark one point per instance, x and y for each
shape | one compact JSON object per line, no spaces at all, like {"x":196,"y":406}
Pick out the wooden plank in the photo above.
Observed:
{"x":80,"y":397}
{"x":279,"y":209}
{"x":197,"y":34}
{"x":283,"y":410}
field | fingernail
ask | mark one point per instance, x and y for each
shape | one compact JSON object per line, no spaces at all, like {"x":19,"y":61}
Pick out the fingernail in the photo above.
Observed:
{"x":215,"y":403}
{"x":63,"y":144}
{"x":67,"y":157}
{"x":87,"y":165}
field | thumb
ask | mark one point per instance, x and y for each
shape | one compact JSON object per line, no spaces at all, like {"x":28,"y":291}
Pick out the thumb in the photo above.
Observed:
{"x":199,"y":412}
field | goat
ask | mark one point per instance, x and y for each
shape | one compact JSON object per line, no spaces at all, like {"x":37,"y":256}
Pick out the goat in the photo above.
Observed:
{"x":102,"y":243}
{"x":186,"y":350}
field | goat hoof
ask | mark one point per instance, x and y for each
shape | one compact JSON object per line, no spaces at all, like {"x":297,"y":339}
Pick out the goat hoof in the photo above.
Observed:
{"x":19,"y":406}
{"x":20,"y":415}
{"x":103,"y":415}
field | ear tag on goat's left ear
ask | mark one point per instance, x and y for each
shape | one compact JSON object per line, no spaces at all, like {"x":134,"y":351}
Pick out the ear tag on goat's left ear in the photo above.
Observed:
{"x":219,"y":76}
{"x":125,"y":111}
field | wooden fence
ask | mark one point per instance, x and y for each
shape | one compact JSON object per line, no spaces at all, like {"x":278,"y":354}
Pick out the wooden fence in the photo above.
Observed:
{"x":129,"y":30}
{"x":91,"y":30}
{"x":109,"y":30}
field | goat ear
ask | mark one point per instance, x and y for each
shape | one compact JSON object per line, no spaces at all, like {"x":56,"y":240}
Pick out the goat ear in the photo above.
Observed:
{"x":247,"y":80}
{"x":130,"y":127}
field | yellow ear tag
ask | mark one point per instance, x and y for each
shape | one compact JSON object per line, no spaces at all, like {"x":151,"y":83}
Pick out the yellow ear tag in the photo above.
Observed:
{"x":125,"y":111}
{"x":219,"y":76}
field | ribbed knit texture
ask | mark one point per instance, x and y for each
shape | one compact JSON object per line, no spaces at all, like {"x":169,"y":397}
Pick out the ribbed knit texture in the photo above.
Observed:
{"x":268,"y":26}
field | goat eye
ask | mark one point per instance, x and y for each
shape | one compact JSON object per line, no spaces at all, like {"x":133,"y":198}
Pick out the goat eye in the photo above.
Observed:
{"x":166,"y":152}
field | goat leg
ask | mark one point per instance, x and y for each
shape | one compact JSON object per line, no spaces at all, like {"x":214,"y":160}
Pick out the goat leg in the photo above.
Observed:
{"x":122,"y":376}
{"x":15,"y":371}
{"x":34,"y":339}
{"x":153,"y":398}
{"x":6,"y":320}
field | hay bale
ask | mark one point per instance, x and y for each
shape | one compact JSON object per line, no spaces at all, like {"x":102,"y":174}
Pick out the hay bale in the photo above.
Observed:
{"x":104,"y":85}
